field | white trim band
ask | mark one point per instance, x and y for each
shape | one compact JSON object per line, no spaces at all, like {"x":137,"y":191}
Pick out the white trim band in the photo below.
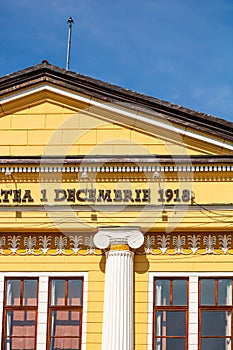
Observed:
{"x":116,"y":169}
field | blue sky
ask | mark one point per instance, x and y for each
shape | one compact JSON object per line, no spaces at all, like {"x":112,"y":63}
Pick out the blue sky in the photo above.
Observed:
{"x":180,"y":51}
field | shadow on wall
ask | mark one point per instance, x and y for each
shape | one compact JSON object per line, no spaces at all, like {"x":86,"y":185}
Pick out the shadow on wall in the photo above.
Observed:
{"x":141,"y":264}
{"x":102,"y":263}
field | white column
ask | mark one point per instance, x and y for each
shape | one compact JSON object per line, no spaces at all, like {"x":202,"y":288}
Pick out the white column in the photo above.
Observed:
{"x":118,"y":323}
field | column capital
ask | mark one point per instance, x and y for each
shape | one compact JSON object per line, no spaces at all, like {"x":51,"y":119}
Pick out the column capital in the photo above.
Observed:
{"x":131,"y":236}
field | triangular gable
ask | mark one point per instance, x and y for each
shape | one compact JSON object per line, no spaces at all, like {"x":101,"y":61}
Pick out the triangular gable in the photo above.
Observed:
{"x":54,"y":128}
{"x":56,"y":116}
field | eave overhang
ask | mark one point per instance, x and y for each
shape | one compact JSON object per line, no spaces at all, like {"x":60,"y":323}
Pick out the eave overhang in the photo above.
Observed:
{"x":46,"y":75}
{"x":118,"y":164}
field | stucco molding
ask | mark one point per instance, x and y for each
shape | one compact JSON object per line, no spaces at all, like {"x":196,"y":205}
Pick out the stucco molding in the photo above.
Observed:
{"x":84,"y":244}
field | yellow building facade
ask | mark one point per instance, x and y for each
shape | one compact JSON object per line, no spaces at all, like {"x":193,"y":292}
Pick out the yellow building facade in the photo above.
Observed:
{"x":115,"y":218}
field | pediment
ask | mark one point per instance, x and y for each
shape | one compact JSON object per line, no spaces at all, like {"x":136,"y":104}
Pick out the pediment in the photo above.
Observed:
{"x":61,"y":120}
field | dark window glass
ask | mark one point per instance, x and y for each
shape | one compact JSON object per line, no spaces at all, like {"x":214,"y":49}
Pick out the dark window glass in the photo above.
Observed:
{"x":57,"y":293}
{"x":13,"y":292}
{"x":20,"y":323}
{"x":171,"y":323}
{"x":75,"y":292}
{"x":30,"y":292}
{"x":170,"y":314}
{"x":171,"y":344}
{"x":216,"y":344}
{"x":65,"y":344}
{"x":215,"y":314}
{"x":179,"y":292}
{"x":225,"y":292}
{"x":65,"y":314}
{"x":20,"y":314}
{"x":162,"y":292}
{"x":65,"y":323}
{"x":19,"y":344}
{"x":207,"y":292}
{"x":216,"y":323}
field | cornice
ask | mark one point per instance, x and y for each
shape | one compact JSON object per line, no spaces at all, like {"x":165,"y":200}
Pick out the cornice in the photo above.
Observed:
{"x":107,"y":164}
{"x":50,"y":74}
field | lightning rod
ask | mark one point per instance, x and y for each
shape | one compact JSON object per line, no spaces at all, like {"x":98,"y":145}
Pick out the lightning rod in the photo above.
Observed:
{"x":70,"y":22}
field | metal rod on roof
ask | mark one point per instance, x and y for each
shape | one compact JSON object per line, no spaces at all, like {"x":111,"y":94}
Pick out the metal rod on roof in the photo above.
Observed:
{"x":70,"y":21}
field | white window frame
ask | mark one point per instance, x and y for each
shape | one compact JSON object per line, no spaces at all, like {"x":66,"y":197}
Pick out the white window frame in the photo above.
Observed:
{"x":41,"y":338}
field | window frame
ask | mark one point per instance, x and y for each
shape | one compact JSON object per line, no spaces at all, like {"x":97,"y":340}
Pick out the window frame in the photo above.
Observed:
{"x":214,"y":307}
{"x":65,"y":307}
{"x":170,"y":307}
{"x":19,"y":307}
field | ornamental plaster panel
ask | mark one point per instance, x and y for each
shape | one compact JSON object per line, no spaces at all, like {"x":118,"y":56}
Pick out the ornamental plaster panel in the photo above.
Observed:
{"x":89,"y":244}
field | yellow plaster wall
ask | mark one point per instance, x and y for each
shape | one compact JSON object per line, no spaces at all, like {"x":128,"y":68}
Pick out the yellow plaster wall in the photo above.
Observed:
{"x":207,"y":187}
{"x":54,"y":128}
{"x":95,"y":267}
{"x":164,"y":263}
{"x":65,"y":131}
{"x":91,"y":264}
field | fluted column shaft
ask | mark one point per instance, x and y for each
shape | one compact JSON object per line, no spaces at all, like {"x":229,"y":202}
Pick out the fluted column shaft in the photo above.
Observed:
{"x":118,"y":321}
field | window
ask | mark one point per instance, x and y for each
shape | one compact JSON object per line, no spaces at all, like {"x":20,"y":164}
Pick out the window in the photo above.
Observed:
{"x":215,"y":313}
{"x":20,"y":313}
{"x":170,"y":314}
{"x":65,"y":313}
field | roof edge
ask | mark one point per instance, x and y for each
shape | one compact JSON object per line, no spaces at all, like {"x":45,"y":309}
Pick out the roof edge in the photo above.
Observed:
{"x":100,"y":159}
{"x":45,"y":72}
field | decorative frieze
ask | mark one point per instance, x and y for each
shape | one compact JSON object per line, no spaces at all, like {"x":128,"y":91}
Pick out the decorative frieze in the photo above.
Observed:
{"x":186,"y":244}
{"x":84,"y":244}
{"x":48,"y":244}
{"x":116,"y":169}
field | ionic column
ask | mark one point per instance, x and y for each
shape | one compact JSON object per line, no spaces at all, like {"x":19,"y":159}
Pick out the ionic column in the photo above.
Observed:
{"x":118,"y":322}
